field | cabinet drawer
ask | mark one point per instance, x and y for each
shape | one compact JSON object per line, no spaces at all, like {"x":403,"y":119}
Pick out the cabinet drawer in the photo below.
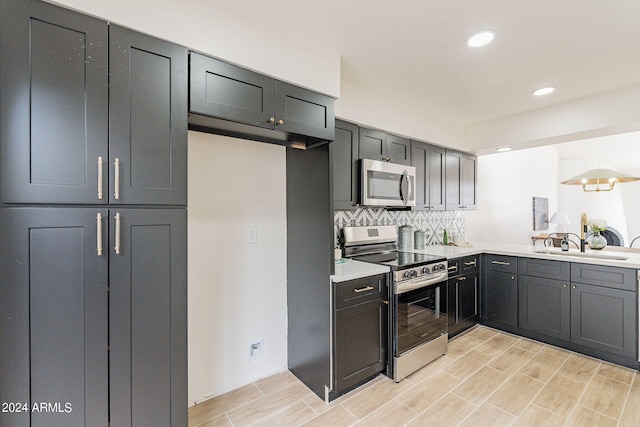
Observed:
{"x":504,"y":263}
{"x":356,"y":291}
{"x":470,"y":263}
{"x":558,"y":270}
{"x":610,"y":277}
{"x":454,"y":267}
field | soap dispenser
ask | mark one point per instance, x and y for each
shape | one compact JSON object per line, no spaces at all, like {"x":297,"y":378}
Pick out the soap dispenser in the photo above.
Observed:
{"x":564,"y":244}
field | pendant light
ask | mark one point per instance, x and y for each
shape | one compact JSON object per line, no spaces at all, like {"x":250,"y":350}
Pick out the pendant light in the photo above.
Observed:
{"x":599,"y":177}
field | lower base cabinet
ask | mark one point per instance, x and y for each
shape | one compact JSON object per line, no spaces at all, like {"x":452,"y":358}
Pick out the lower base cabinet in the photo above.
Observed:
{"x":360,"y":331}
{"x":99,"y":335}
{"x":500,"y":291}
{"x":463,"y":295}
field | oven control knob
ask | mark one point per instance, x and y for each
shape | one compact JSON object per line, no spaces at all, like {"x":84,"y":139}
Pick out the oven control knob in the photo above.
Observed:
{"x":425,"y":270}
{"x":407,"y":274}
{"x":438,"y":267}
{"x":414,"y":273}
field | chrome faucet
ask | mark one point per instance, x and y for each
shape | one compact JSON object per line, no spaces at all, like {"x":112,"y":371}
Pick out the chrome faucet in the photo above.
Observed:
{"x":583,"y":229}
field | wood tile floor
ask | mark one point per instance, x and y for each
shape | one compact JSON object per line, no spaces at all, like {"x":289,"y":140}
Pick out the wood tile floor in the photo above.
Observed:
{"x":488,"y":378}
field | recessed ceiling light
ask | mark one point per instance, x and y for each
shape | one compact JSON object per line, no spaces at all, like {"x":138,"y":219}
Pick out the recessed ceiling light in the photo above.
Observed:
{"x":480,"y":39}
{"x":543,"y":91}
{"x":503,"y":149}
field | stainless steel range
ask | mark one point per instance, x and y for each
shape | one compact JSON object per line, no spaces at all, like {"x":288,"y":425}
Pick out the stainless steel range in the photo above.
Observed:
{"x":418,"y":292}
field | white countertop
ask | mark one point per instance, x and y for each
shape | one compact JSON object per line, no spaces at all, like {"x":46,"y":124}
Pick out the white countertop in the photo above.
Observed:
{"x":598,"y":257}
{"x":352,"y":269}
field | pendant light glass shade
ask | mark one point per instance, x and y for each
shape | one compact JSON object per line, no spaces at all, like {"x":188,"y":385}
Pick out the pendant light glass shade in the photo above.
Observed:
{"x":599,"y":177}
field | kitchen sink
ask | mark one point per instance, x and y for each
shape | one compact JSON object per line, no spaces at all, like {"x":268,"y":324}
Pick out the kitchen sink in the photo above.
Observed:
{"x":582,"y":254}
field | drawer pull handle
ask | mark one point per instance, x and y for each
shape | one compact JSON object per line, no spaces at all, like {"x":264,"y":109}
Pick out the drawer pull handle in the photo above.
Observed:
{"x":452,"y":268}
{"x":462,"y":278}
{"x":365,"y":289}
{"x":470,"y":263}
{"x":500,"y":263}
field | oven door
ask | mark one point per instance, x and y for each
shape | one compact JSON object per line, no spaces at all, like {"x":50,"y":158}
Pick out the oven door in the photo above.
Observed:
{"x":419,"y":317}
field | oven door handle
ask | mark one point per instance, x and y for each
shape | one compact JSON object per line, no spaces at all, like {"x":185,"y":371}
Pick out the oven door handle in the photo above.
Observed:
{"x":419,"y":282}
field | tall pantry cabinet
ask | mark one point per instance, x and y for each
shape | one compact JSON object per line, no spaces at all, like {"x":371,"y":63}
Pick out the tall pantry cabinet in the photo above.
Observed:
{"x":93,"y":167}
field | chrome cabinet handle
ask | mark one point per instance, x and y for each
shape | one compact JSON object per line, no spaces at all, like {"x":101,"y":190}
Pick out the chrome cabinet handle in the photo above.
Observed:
{"x":116,"y":179}
{"x":500,"y":263}
{"x":100,"y":178}
{"x":116,"y":246}
{"x":99,"y":233}
{"x":452,"y":268}
{"x":470,"y":263}
{"x":365,"y":289}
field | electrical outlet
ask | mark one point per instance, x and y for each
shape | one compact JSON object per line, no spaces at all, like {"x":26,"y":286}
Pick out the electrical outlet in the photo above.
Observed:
{"x":255,"y":350}
{"x":252,"y":236}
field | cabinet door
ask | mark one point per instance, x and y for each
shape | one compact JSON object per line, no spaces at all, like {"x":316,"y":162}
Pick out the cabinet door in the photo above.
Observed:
{"x":544,"y":306}
{"x":463,"y":303}
{"x":222,"y":90}
{"x":604,"y":319}
{"x":54,"y":85}
{"x":148,"y":330}
{"x":398,"y":150}
{"x":148,"y":119}
{"x":360,"y":343}
{"x":53,"y":316}
{"x":304,"y":112}
{"x":344,"y":166}
{"x":461,"y":181}
{"x":429,"y":162}
{"x":373,"y":144}
{"x":500,"y":298}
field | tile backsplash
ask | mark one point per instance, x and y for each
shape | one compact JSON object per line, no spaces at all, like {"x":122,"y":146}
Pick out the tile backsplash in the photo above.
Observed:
{"x":434,"y":222}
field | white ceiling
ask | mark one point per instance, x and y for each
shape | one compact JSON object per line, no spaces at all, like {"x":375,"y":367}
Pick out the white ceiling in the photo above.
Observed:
{"x":414,"y":50}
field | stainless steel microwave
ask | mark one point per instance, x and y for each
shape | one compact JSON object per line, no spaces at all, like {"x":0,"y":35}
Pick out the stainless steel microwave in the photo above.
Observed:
{"x":387,"y":184}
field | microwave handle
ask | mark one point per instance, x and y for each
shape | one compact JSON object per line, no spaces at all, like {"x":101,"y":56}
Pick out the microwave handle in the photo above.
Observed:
{"x":405,"y":199}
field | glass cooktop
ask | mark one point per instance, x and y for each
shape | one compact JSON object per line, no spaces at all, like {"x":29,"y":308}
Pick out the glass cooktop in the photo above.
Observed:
{"x":398,"y":259}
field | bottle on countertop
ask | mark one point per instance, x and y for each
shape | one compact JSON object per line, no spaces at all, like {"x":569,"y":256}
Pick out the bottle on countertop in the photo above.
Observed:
{"x":445,"y":238}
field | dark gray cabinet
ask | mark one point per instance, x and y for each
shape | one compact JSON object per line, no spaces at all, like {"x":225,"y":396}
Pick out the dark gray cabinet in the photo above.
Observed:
{"x":147,"y":120}
{"x":500,"y":291}
{"x":461,"y":181}
{"x":360,"y":331}
{"x":53,"y":315}
{"x":378,"y":145}
{"x":604,"y":305}
{"x":54,"y":122}
{"x":344,"y":166}
{"x":463,"y":294}
{"x":227,"y":99}
{"x":544,"y":305}
{"x":78,"y":97}
{"x":148,"y":312}
{"x":429,"y":161}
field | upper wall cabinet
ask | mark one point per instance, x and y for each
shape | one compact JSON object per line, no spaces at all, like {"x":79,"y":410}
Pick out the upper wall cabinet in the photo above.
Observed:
{"x":378,"y":145}
{"x":231,"y":100}
{"x":71,"y":132}
{"x":461,"y":180}
{"x":147,"y":119}
{"x":429,"y":162}
{"x":344,"y":166}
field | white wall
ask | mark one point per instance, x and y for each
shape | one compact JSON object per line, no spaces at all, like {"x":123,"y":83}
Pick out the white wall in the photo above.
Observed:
{"x":208,"y":28}
{"x":237,"y":290}
{"x":507,"y":183}
{"x":373,"y":110}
